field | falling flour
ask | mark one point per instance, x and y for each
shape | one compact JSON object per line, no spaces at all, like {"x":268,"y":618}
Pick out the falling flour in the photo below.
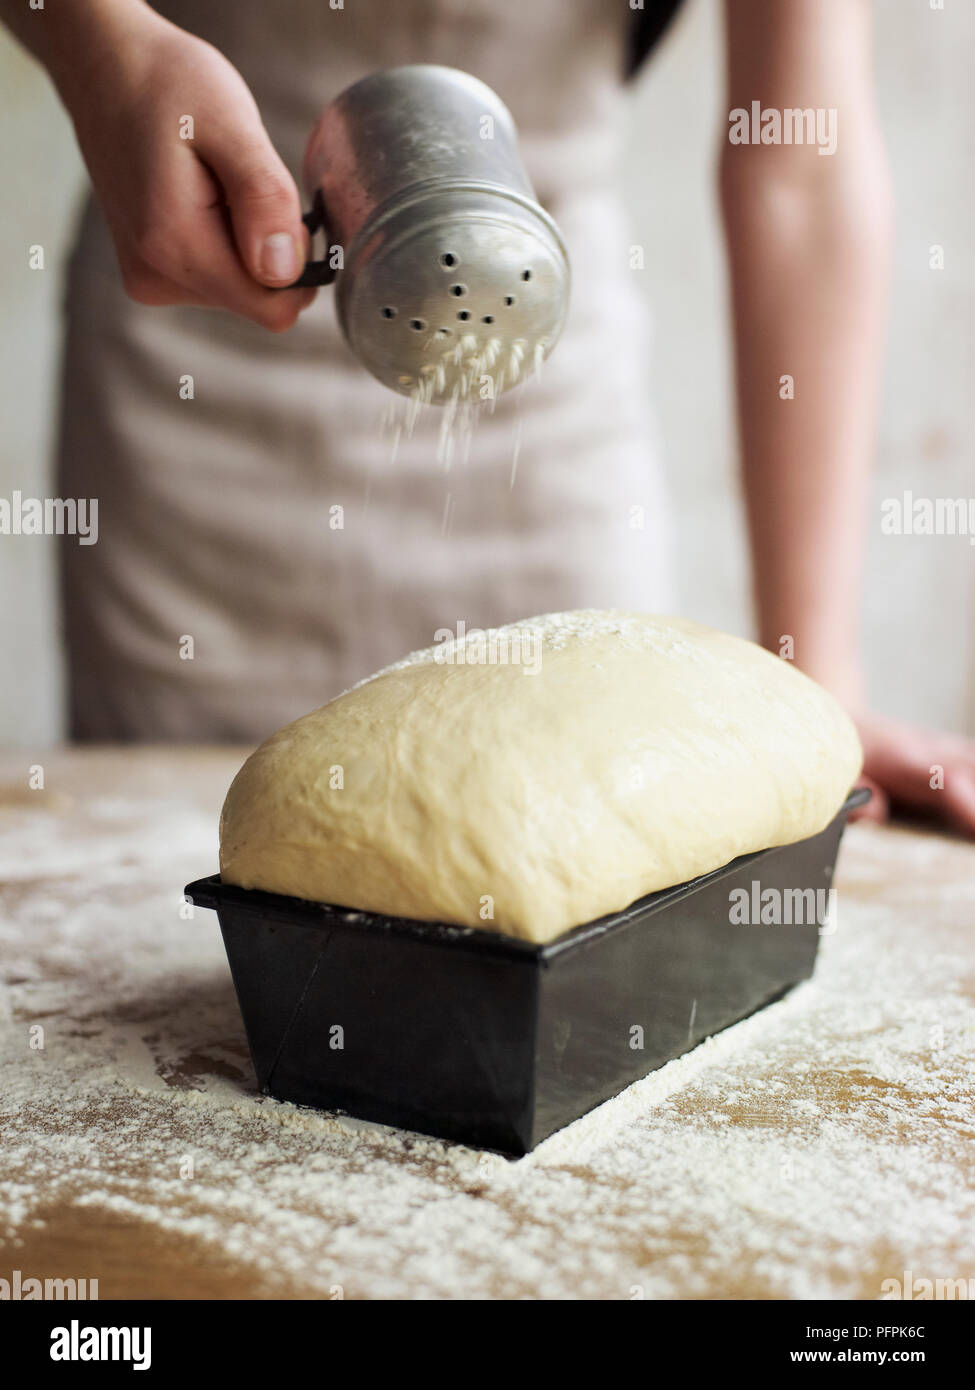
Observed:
{"x":464,"y":379}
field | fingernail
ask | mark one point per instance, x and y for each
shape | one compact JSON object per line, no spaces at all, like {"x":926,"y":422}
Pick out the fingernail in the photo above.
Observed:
{"x":279,"y":257}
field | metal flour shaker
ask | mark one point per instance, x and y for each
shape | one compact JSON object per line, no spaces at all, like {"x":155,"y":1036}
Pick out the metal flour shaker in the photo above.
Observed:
{"x":451,"y":271}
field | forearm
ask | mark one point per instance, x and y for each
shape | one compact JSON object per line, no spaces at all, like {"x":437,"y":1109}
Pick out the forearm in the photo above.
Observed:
{"x":809,"y":272}
{"x":70,"y":38}
{"x":808,"y":237}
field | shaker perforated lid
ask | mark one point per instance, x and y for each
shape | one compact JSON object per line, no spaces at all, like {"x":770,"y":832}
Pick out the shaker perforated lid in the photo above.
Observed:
{"x":467,"y":284}
{"x":452,"y":271}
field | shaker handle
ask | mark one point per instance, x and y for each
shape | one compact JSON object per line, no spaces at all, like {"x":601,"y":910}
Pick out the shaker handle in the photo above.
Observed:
{"x":315,"y":272}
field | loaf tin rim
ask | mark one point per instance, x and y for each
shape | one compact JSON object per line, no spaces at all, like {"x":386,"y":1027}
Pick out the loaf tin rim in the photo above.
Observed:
{"x":211,"y":893}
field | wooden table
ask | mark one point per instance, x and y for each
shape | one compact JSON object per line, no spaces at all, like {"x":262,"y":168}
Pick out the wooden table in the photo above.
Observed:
{"x":817,"y":1149}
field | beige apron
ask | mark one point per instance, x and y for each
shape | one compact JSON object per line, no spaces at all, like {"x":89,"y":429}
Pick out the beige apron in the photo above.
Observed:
{"x":214,"y":512}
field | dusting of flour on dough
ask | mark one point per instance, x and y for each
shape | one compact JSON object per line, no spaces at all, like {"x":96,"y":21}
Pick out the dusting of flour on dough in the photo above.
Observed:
{"x":557,"y":631}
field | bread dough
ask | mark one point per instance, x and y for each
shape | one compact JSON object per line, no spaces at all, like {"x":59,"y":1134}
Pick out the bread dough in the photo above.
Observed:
{"x":540,"y":775}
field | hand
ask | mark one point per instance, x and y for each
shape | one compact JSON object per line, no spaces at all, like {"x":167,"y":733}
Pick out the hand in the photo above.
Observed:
{"x":902,"y":761}
{"x":213,"y":220}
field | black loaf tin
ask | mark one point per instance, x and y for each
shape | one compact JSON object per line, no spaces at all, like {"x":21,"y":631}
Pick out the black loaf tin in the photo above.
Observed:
{"x":493,"y":1041}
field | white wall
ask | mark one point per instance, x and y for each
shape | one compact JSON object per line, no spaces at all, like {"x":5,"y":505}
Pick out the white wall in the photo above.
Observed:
{"x":920,"y":605}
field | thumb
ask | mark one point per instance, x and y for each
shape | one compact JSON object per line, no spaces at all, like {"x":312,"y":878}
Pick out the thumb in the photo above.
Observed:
{"x":265,"y":209}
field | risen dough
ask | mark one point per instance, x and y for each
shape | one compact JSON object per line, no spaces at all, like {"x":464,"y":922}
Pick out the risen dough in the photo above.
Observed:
{"x":624,"y":753}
